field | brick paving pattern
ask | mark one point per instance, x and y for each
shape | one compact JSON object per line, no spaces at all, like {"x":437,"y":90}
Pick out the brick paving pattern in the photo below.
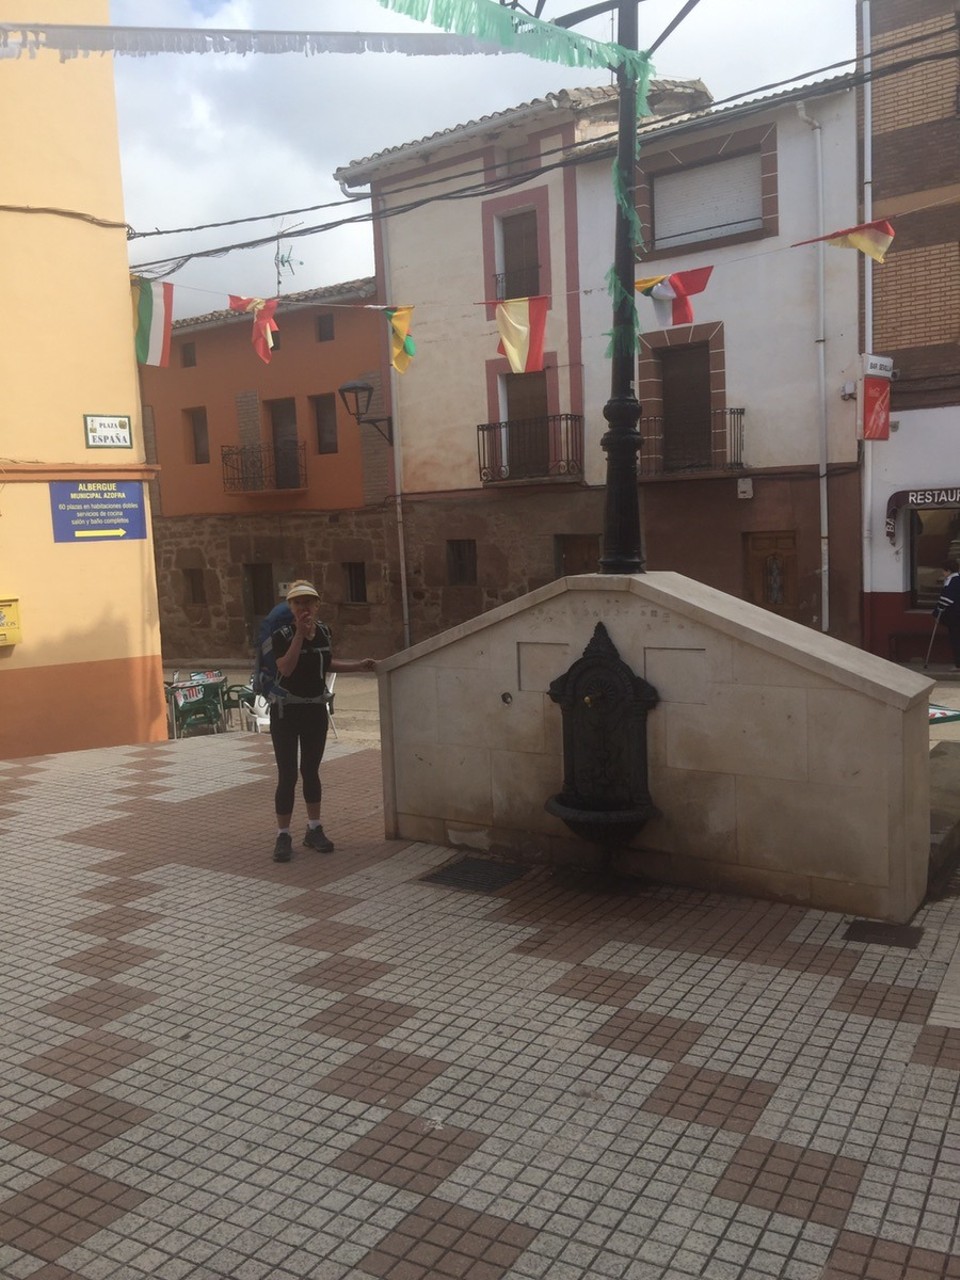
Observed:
{"x":212,"y":1066}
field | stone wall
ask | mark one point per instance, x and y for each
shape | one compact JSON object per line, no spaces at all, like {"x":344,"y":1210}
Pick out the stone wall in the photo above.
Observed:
{"x":514,"y":531}
{"x":310,"y":545}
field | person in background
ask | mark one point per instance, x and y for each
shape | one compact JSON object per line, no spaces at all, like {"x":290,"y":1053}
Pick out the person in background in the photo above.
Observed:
{"x":298,"y":714}
{"x":947,"y":608}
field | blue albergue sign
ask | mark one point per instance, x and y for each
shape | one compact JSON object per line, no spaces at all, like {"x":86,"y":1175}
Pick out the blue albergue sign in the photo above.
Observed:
{"x":97,"y":510}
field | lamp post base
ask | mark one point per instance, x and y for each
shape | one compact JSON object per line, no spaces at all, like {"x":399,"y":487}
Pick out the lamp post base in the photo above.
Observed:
{"x":622,"y":552}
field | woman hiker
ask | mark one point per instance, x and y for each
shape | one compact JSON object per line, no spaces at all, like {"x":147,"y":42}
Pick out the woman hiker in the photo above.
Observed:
{"x":298,"y":714}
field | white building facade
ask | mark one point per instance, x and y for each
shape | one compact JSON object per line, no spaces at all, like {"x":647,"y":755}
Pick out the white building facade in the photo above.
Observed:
{"x":749,"y":467}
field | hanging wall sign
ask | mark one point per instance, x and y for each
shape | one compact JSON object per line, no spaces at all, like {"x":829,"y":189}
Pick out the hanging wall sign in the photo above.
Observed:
{"x":876,"y":408}
{"x":102,"y":431}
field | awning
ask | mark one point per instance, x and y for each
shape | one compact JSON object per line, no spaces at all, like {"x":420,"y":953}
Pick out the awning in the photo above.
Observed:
{"x":917,"y":498}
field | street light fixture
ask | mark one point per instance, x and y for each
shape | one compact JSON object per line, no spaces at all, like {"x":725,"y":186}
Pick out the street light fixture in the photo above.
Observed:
{"x":356,"y":397}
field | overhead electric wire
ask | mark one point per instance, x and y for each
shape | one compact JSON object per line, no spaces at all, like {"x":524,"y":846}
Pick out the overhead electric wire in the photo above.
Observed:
{"x":572,"y":155}
{"x":589,"y":144}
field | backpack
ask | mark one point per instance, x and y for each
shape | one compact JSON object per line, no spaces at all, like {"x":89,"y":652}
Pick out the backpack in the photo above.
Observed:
{"x":265,"y":678}
{"x":266,"y":681}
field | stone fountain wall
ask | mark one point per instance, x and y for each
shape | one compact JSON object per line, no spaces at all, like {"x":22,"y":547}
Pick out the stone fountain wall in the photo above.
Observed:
{"x":785,"y":763}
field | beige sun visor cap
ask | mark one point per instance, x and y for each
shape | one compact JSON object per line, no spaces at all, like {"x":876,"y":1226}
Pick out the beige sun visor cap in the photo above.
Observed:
{"x":302,"y":589}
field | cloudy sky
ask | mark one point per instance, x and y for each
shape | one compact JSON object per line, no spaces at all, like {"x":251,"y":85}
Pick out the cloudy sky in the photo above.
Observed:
{"x":206,"y":138}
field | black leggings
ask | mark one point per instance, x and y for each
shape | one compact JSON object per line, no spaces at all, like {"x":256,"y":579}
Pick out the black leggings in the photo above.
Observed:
{"x":300,"y":731}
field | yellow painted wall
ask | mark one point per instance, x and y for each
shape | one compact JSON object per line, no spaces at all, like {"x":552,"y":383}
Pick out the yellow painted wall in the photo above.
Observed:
{"x":88,"y":609}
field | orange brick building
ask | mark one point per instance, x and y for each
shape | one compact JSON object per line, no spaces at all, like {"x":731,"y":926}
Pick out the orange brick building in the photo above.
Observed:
{"x":264,"y":476}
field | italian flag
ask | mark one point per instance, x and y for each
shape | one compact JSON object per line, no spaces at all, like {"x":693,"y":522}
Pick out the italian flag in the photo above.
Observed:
{"x":671,"y":294}
{"x":871,"y":238}
{"x":152,"y":320}
{"x":521,"y":323}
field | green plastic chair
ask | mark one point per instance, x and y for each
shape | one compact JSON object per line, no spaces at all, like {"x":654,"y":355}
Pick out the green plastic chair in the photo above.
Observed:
{"x":198,"y":706}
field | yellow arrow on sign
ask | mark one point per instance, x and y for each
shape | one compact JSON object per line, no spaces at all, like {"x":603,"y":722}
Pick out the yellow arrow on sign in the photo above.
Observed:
{"x":100,"y":533}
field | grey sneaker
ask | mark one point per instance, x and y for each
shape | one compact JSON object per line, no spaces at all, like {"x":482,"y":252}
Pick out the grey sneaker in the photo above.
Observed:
{"x":315,"y":839}
{"x":283,"y":849}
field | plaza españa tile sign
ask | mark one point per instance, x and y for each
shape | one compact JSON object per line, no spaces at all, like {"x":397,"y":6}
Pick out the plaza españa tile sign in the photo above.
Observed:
{"x":107,"y":432}
{"x":95,"y":510}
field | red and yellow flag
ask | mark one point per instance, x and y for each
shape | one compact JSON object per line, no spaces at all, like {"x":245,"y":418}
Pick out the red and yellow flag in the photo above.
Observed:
{"x":871,"y":238}
{"x":522,"y":323}
{"x":264,"y":325}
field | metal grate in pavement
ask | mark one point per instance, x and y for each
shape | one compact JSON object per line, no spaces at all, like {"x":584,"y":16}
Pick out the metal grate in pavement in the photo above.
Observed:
{"x":884,"y":935}
{"x":483,"y":875}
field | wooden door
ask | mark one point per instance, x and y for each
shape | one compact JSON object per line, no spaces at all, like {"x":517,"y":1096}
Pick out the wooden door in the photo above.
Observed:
{"x":685,"y":373}
{"x":283,"y":427}
{"x":528,"y":448}
{"x":771,"y":571}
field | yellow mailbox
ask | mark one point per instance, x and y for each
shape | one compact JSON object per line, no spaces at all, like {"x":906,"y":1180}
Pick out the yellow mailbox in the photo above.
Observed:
{"x":10,"y":622}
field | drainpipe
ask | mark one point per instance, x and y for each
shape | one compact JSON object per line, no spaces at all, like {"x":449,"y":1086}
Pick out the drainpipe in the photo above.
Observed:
{"x":866,"y":498}
{"x":821,"y":344}
{"x":397,"y":444}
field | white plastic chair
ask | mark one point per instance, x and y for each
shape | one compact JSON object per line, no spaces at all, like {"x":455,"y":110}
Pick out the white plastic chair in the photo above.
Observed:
{"x":258,"y":719}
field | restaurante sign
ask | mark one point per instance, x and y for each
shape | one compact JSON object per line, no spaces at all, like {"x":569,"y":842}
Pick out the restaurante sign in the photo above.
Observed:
{"x":917,"y":498}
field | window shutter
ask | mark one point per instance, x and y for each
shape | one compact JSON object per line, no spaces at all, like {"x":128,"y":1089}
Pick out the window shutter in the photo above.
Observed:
{"x":707,"y":202}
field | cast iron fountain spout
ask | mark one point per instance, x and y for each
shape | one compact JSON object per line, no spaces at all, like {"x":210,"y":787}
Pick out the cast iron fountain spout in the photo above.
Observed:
{"x":605,"y":797}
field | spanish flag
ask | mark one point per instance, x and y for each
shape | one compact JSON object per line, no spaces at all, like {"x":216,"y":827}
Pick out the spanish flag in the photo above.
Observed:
{"x":671,"y":294}
{"x":264,"y":325}
{"x":521,"y":323}
{"x":871,"y":238}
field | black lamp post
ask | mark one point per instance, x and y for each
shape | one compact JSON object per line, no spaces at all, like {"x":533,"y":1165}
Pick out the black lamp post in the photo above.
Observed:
{"x":356,"y":397}
{"x":622,"y":552}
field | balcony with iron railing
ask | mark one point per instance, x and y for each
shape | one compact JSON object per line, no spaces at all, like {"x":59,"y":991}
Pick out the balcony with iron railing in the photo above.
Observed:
{"x":547,"y":448}
{"x":682,"y":446}
{"x":520,"y":282}
{"x":264,"y":468}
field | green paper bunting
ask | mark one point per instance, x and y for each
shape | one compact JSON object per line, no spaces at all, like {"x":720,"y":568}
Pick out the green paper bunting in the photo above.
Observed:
{"x":624,"y":338}
{"x":626,"y":203}
{"x":517,"y":32}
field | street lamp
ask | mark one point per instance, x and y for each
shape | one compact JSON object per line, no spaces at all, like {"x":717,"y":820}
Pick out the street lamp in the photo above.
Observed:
{"x":356,"y":397}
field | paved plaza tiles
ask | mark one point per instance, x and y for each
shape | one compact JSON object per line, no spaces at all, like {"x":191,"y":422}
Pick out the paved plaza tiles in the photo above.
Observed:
{"x":215,"y":1066}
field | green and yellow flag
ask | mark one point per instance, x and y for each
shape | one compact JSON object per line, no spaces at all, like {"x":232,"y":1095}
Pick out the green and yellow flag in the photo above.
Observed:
{"x":402,"y":346}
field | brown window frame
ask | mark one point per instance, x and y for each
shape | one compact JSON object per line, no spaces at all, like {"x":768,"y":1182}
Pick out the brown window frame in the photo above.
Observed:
{"x":650,"y":390}
{"x":461,"y":562}
{"x":325,"y":433}
{"x":355,"y":582}
{"x":196,"y":420}
{"x":725,"y":146}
